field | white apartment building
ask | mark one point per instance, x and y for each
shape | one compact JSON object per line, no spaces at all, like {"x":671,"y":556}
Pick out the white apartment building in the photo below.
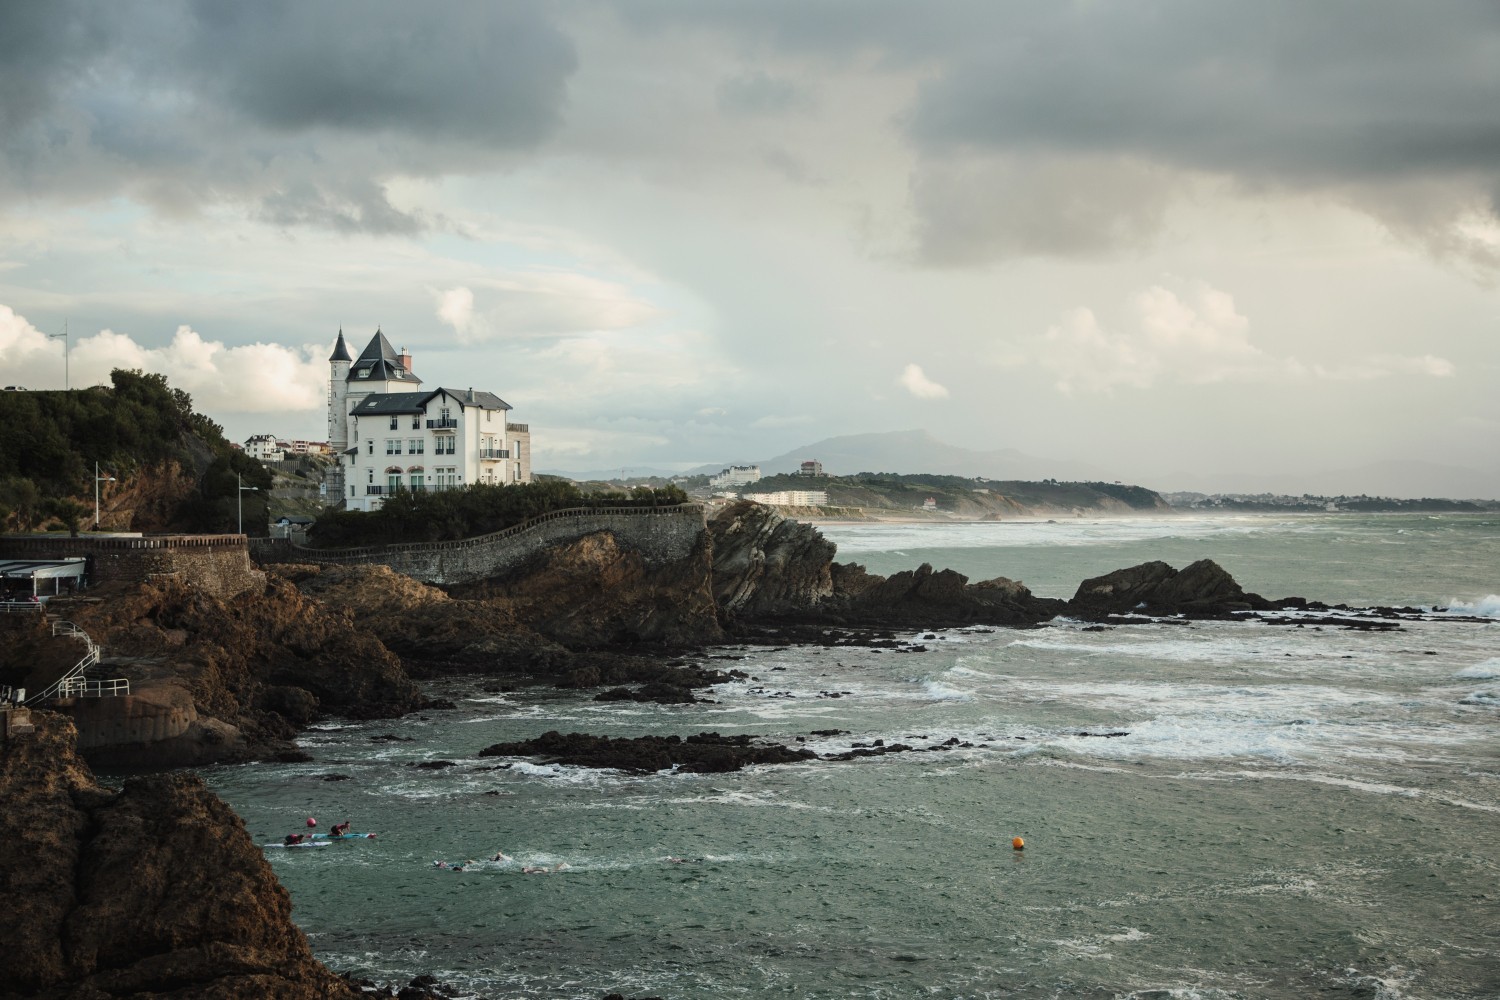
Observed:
{"x":735,"y":475}
{"x":390,"y":435}
{"x":791,"y":498}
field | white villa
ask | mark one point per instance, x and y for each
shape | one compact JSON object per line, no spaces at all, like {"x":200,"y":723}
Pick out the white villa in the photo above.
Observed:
{"x":389,"y":434}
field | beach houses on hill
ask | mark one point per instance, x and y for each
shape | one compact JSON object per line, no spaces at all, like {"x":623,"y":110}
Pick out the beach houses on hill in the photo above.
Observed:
{"x":389,"y":434}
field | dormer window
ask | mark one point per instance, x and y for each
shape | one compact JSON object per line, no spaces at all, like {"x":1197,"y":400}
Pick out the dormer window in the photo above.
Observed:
{"x":362,"y":373}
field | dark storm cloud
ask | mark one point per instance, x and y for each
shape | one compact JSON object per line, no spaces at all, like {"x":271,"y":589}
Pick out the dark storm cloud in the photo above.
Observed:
{"x":485,"y":73}
{"x":307,"y":109}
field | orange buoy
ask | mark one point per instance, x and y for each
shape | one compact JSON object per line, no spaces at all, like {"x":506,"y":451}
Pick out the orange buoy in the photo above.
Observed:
{"x":1018,"y":843}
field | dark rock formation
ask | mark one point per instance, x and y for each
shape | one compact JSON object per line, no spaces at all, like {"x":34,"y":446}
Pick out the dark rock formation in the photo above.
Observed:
{"x":703,"y":753}
{"x":764,"y":563}
{"x":594,"y":590}
{"x":1202,"y":589}
{"x":155,"y":890}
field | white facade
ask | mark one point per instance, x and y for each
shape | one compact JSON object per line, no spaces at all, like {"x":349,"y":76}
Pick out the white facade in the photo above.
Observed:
{"x":735,"y":475}
{"x":264,"y":447}
{"x":791,"y":498}
{"x":390,"y":435}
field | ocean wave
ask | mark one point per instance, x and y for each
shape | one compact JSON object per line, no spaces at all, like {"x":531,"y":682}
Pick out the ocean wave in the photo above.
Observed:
{"x":1485,"y":670}
{"x":1487,"y":606}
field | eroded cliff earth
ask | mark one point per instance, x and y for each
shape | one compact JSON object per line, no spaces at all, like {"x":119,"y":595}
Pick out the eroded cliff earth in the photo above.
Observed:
{"x":153,"y":890}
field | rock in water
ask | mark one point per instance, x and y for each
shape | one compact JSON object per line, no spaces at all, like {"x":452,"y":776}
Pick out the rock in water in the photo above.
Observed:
{"x":1203,"y":588}
{"x":152,"y":890}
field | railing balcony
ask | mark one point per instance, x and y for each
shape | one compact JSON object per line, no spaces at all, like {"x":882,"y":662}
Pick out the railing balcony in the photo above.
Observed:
{"x":493,"y":454}
{"x":374,"y":491}
{"x":442,"y":424}
{"x":519,"y":428}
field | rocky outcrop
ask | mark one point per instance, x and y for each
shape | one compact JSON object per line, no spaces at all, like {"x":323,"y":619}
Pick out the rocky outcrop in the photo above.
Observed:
{"x":703,"y":753}
{"x":931,"y":598}
{"x":594,"y":590}
{"x":765,"y":563}
{"x":1155,"y":588}
{"x":154,"y":890}
{"x":253,"y":669}
{"x":430,"y":630}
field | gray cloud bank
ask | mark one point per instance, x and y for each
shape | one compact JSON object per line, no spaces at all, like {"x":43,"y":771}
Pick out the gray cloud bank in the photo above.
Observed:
{"x":1053,"y":129}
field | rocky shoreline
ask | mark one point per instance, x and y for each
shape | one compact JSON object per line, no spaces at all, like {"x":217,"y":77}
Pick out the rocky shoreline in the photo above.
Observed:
{"x":156,"y":888}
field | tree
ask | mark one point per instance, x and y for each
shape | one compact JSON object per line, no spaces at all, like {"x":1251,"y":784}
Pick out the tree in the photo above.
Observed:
{"x":70,"y":512}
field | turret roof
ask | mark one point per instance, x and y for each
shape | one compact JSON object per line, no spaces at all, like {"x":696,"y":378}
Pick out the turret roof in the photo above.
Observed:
{"x":340,"y":350}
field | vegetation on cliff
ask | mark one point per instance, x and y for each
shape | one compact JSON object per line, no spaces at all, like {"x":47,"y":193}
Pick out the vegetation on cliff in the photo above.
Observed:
{"x":966,"y":496}
{"x":478,"y":509}
{"x":143,"y":434}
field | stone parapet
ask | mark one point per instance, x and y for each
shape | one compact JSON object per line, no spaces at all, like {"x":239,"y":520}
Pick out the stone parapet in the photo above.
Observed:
{"x":660,"y":534}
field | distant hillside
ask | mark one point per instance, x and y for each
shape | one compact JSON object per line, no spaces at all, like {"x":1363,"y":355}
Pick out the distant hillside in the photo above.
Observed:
{"x":917,"y":451}
{"x":167,"y":467}
{"x":966,"y":497}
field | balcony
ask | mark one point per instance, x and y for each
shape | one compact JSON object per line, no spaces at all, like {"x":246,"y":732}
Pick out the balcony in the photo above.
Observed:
{"x":442,"y":424}
{"x":493,"y":454}
{"x":374,"y":491}
{"x":518,"y":428}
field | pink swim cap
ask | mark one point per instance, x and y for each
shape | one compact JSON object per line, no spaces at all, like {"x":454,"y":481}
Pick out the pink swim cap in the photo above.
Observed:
{"x":311,"y":821}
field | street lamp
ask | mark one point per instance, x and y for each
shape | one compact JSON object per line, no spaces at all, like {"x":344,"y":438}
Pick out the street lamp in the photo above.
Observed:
{"x":240,"y":497}
{"x":97,"y":480}
{"x":64,"y":337}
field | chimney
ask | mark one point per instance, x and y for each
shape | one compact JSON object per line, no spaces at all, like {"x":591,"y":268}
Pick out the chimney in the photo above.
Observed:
{"x":471,"y":394}
{"x":405,"y":359}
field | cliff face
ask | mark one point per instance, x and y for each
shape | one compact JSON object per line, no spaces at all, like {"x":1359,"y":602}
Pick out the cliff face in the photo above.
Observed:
{"x":253,"y":668}
{"x":150,"y":499}
{"x":593,"y":591}
{"x":764,"y":563}
{"x":153,"y":890}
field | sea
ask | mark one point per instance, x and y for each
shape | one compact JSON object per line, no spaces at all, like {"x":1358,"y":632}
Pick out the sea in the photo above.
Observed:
{"x":1208,"y":809}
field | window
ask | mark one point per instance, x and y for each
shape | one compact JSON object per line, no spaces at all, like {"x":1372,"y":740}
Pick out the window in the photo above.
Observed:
{"x":416,"y":479}
{"x":371,"y":443}
{"x":393,"y":446}
{"x":415,"y":446}
{"x":392,"y":481}
{"x":489,"y":415}
{"x":351,"y":491}
{"x":416,"y":421}
{"x":369,"y":475}
{"x":446,"y":413}
{"x":393,"y":423}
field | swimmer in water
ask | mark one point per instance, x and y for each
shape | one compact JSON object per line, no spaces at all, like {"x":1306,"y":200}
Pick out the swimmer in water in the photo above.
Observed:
{"x":500,"y":856}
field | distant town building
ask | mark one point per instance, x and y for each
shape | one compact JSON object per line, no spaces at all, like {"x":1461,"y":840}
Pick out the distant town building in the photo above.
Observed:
{"x":929,"y":504}
{"x":791,"y":498}
{"x":307,"y":447}
{"x":390,"y":435}
{"x":735,"y":475}
{"x":812,"y":467}
{"x":264,"y":447}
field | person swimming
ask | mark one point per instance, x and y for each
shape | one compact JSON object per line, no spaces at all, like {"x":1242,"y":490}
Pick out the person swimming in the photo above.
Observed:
{"x":500,"y":856}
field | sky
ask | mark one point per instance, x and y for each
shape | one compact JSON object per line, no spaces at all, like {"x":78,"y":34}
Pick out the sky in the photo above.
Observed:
{"x":1174,"y":240}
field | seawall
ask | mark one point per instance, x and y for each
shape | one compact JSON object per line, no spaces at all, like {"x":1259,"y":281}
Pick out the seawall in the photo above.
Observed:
{"x":217,"y":564}
{"x":661,"y":535}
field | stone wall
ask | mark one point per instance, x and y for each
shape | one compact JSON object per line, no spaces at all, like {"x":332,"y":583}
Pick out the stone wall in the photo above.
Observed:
{"x":217,"y":564}
{"x":662,"y":535}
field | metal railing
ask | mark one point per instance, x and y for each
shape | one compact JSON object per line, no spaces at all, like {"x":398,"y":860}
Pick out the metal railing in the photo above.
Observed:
{"x":74,"y":683}
{"x":371,"y":552}
{"x":488,"y":454}
{"x":83,"y":687}
{"x":20,"y":607}
{"x":443,"y":424}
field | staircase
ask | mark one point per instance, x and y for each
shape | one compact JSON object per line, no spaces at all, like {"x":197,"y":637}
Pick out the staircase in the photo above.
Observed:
{"x":76,"y":683}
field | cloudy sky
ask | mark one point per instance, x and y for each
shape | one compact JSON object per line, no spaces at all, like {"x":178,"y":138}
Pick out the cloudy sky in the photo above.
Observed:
{"x":1169,"y":239}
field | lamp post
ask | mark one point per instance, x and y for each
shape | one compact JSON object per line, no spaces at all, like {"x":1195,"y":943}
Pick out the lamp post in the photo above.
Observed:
{"x":97,"y":480}
{"x":240,"y":497}
{"x":67,"y":384}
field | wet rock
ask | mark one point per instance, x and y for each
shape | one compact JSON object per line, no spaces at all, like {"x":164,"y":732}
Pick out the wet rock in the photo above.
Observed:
{"x":703,"y":753}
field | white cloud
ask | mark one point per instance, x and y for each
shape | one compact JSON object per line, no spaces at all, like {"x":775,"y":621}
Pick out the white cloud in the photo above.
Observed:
{"x":1198,"y":339}
{"x":540,"y":304}
{"x":252,"y":378}
{"x":919,"y":385}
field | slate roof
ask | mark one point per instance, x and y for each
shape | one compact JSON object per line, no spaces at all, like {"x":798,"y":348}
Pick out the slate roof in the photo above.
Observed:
{"x":340,"y":349}
{"x":416,"y":402}
{"x":379,"y":362}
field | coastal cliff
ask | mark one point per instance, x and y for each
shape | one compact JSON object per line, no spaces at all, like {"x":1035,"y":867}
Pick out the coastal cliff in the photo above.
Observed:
{"x":153,"y":890}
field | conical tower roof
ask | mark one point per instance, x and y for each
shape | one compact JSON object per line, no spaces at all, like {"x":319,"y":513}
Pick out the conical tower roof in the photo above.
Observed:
{"x":340,"y":349}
